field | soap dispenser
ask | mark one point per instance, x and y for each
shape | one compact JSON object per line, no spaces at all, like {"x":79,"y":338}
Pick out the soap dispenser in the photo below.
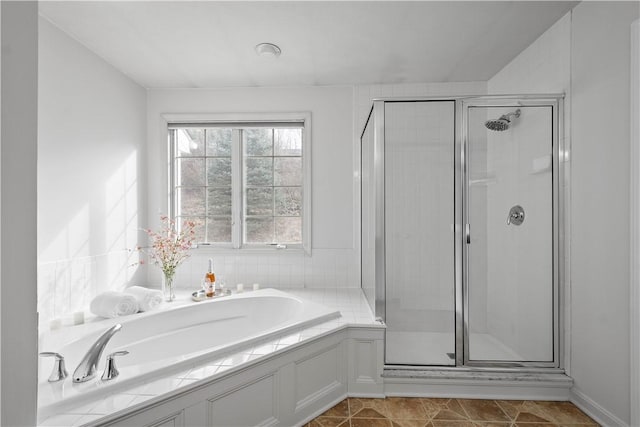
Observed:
{"x":210,"y":280}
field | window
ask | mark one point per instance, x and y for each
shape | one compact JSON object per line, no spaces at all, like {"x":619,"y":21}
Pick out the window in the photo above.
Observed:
{"x":246,"y":184}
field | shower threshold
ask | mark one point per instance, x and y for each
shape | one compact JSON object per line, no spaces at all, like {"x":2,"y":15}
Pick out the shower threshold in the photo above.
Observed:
{"x":474,"y":382}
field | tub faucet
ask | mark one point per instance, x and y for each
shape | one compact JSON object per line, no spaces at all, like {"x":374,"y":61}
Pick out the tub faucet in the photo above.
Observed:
{"x":59,"y":372}
{"x":89,"y":364}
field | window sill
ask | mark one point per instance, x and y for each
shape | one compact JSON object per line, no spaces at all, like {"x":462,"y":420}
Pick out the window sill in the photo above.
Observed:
{"x":221,"y":250}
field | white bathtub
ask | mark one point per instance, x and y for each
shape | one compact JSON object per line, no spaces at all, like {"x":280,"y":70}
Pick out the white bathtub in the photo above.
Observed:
{"x":171,"y":340}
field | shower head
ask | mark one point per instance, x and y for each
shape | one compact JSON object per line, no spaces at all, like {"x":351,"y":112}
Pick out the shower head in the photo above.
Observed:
{"x":502,"y":123}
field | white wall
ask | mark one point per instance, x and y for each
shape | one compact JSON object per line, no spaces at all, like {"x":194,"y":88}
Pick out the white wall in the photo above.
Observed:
{"x":91,"y":174}
{"x":600,"y":133}
{"x":18,"y":213}
{"x":0,"y":208}
{"x":334,"y":261}
{"x":586,"y":55}
{"x":544,"y":67}
{"x":634,"y":253}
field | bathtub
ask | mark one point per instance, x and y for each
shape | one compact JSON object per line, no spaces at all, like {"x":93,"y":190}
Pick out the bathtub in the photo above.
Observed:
{"x":171,"y":340}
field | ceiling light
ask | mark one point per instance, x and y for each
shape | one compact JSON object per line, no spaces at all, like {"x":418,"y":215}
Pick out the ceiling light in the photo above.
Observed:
{"x":268,"y":49}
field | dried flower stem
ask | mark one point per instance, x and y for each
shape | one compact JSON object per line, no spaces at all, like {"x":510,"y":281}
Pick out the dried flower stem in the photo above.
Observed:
{"x":168,"y":247}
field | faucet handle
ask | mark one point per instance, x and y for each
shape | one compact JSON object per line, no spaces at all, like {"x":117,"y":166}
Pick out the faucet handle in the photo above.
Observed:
{"x":110,"y":371}
{"x":59,"y":371}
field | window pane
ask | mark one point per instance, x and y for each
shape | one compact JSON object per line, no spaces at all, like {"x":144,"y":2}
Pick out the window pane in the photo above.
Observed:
{"x":288,"y":201}
{"x":287,"y":171}
{"x":190,"y":171}
{"x":288,"y":142}
{"x":219,"y":172}
{"x":219,"y":230}
{"x":258,"y":142}
{"x":219,"y":201}
{"x":259,"y":201}
{"x":259,"y":171}
{"x":288,"y":230}
{"x":271,"y":182}
{"x":190,"y":201}
{"x":259,"y":230}
{"x":189,"y":142}
{"x":219,"y":142}
{"x":199,"y":228}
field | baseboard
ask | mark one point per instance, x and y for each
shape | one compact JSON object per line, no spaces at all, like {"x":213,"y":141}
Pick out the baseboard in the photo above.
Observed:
{"x":594,"y":410}
{"x":367,"y":395}
{"x":324,"y":409}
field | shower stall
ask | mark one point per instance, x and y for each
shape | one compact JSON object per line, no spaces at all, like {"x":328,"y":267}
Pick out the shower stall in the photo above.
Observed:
{"x":461,"y":237}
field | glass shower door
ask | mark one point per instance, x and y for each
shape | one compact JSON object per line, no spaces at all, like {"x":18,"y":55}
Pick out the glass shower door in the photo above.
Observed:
{"x":510,"y":277}
{"x":419,"y":233}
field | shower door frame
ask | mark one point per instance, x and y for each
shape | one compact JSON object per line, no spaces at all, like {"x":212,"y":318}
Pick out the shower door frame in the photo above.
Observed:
{"x":380,"y":306}
{"x":556,"y":103}
{"x":461,"y":207}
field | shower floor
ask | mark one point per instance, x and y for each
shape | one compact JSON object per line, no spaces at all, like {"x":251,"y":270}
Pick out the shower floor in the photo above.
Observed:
{"x":431,"y":348}
{"x":419,"y":348}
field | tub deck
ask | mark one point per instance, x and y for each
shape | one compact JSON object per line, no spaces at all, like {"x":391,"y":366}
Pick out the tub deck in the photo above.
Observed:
{"x":129,"y":395}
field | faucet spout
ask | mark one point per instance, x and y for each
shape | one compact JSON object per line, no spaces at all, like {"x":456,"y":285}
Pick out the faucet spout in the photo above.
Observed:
{"x":88,"y":366}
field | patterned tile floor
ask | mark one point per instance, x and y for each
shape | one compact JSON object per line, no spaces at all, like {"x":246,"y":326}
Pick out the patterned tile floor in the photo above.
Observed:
{"x":423,"y":412}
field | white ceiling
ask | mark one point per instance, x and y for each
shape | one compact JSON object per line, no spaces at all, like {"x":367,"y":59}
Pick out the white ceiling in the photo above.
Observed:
{"x":211,"y":43}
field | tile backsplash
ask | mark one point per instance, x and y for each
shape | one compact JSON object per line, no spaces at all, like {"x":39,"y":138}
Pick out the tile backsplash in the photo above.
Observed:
{"x":68,"y":286}
{"x":326,"y":268}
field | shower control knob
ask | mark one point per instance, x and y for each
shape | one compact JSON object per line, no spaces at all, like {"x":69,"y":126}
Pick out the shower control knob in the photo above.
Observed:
{"x":516,"y":215}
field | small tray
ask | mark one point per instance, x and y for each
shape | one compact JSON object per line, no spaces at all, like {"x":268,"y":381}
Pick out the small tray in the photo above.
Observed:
{"x":199,"y":295}
{"x":202,"y":296}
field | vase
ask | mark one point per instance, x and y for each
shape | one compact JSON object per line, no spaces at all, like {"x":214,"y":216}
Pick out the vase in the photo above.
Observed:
{"x":167,"y":287}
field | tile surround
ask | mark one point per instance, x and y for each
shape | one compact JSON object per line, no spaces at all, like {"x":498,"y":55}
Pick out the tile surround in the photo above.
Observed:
{"x":435,"y":412}
{"x":67,"y":286}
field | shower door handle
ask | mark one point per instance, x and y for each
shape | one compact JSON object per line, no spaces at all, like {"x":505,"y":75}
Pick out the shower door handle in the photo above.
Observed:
{"x":467,"y":233}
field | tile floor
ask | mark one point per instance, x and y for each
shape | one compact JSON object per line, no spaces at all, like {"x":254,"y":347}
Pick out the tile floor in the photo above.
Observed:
{"x":423,"y":412}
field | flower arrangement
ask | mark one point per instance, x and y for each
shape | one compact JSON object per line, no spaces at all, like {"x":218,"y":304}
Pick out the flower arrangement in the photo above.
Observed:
{"x":169,"y":248}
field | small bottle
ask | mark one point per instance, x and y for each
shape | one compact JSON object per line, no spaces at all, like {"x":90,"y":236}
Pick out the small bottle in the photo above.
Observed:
{"x":210,"y":280}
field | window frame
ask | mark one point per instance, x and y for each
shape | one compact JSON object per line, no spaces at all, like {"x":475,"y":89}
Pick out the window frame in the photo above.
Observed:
{"x":238,"y":189}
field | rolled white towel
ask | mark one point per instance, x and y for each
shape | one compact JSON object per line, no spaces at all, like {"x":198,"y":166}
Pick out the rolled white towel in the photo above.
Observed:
{"x":114,"y":304}
{"x":148,"y":299}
